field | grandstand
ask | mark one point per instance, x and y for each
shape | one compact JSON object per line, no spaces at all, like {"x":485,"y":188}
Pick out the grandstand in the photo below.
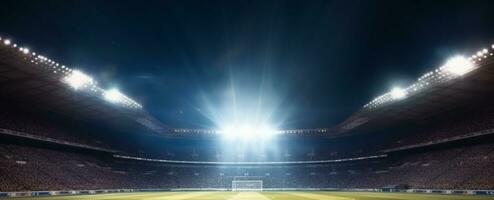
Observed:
{"x":65,"y":134}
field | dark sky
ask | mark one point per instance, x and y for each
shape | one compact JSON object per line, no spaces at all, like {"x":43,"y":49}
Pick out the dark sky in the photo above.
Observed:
{"x":307,"y":63}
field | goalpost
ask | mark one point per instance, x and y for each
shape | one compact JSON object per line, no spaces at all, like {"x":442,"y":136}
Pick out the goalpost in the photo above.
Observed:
{"x":247,"y":183}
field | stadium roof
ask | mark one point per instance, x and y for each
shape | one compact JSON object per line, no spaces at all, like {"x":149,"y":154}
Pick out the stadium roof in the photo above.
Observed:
{"x":34,"y":80}
{"x":461,"y":81}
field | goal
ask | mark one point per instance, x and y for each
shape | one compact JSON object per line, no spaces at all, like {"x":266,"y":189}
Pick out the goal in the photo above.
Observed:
{"x":247,"y":183}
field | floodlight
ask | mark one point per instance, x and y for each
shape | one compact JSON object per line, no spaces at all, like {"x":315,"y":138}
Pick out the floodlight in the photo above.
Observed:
{"x":78,"y":79}
{"x":228,"y":132}
{"x":237,"y":132}
{"x":25,"y":50}
{"x":265,"y":130}
{"x":458,"y":65}
{"x":398,"y":93}
{"x":246,"y":132}
{"x":113,"y":95}
{"x":6,"y":42}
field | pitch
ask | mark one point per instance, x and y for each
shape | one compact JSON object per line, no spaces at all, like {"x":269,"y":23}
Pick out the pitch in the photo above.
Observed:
{"x":263,"y":196}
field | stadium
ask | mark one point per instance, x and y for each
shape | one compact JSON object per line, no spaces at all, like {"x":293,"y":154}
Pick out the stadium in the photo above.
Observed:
{"x":69,"y":134}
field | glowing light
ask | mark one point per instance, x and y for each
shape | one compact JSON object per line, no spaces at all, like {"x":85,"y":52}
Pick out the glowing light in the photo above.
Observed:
{"x":78,"y":79}
{"x":247,"y":132}
{"x":114,"y":96}
{"x":398,"y":93}
{"x":458,"y":65}
{"x":74,"y":78}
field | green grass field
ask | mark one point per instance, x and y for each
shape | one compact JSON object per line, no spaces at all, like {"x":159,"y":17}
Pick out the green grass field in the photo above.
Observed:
{"x":263,"y":196}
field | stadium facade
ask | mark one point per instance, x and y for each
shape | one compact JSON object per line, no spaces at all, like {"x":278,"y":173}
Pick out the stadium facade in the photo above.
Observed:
{"x":64,"y":134}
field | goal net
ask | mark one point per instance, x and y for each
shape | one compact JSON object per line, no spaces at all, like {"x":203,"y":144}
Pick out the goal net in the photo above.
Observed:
{"x":247,"y":183}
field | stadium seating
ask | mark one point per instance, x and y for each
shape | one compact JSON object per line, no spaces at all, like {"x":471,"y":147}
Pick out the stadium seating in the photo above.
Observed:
{"x":25,"y":166}
{"x":448,"y":125}
{"x":29,"y":168}
{"x":47,"y":125}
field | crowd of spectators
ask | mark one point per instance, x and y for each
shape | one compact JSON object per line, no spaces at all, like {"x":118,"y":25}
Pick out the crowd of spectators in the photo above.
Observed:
{"x":24,"y":166}
{"x":28,"y":168}
{"x":46,"y":125}
{"x":447,"y":125}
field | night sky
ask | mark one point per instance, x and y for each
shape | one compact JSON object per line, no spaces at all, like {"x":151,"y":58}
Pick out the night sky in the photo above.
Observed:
{"x":308,"y":63}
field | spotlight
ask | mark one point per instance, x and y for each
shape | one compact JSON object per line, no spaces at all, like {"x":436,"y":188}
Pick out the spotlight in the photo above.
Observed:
{"x":6,"y":42}
{"x":78,"y":79}
{"x":398,"y":93}
{"x":247,"y":132}
{"x":113,"y":95}
{"x":458,"y":65}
